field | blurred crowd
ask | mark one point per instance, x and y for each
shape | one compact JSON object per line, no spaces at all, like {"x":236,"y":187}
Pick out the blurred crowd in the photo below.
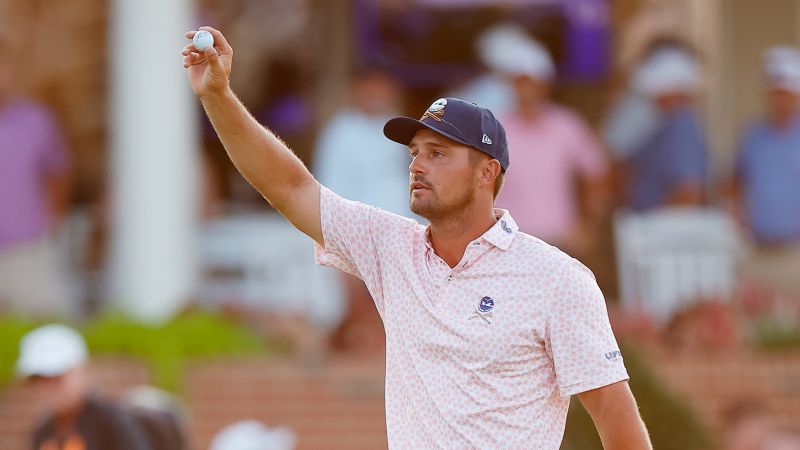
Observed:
{"x":570,"y":183}
{"x":650,"y":153}
{"x":54,"y":360}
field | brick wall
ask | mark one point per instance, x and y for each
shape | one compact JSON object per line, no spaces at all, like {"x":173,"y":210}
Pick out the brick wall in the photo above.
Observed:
{"x":340,"y":405}
{"x":713,"y":383}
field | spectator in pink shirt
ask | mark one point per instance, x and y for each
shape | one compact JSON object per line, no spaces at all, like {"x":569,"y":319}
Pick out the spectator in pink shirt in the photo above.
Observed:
{"x":33,"y":196}
{"x":553,"y":150}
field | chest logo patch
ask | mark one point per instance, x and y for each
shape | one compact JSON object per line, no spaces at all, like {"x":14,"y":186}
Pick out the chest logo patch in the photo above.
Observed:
{"x":486,"y":305}
{"x":484,"y":310}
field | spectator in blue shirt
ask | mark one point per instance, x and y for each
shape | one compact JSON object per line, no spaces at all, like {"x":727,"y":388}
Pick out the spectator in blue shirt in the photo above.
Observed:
{"x":671,"y":167}
{"x":352,"y":152}
{"x":767,"y":177}
{"x":768,"y":163}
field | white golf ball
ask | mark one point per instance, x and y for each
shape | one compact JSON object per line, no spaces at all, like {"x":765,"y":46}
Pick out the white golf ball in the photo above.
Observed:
{"x":202,"y":40}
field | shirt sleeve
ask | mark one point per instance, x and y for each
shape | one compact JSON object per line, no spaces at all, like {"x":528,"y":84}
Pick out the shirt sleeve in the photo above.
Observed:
{"x":579,"y":339}
{"x":359,"y":238}
{"x":587,"y":154}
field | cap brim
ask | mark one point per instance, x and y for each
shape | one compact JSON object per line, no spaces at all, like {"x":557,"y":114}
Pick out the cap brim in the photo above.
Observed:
{"x":403,"y":129}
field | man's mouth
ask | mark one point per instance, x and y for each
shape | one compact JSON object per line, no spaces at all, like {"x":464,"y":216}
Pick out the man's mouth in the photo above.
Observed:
{"x":419,"y":186}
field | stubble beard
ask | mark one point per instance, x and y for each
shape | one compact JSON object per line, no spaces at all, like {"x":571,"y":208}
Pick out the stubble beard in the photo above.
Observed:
{"x":433,"y":209}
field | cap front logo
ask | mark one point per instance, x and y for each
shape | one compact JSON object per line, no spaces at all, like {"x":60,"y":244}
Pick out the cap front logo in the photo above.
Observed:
{"x":438,"y":105}
{"x":436,"y":110}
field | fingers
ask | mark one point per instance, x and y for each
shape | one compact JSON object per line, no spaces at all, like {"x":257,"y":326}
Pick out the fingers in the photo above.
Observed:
{"x":193,"y":58}
{"x":219,"y":40}
{"x":212,"y":56}
{"x":190,"y":34}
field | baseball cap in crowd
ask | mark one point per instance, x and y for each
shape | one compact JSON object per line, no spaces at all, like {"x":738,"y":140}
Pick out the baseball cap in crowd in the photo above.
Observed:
{"x":253,"y":435}
{"x":509,"y":50}
{"x":782,"y":68}
{"x":461,"y":121}
{"x":50,"y":351}
{"x":666,"y":71}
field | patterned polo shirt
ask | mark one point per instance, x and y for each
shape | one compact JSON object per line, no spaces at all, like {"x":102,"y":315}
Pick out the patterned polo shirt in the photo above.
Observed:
{"x":482,"y":355}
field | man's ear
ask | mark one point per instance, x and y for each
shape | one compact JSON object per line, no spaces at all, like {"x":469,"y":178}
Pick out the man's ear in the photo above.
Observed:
{"x":490,"y":171}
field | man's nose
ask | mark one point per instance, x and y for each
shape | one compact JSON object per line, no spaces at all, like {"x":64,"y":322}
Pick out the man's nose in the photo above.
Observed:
{"x":417,"y":164}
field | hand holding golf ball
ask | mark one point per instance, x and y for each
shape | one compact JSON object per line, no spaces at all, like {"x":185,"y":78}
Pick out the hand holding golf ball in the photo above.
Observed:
{"x":207,"y":60}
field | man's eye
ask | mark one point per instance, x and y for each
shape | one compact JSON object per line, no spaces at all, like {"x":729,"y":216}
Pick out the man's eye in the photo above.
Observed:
{"x":438,"y":154}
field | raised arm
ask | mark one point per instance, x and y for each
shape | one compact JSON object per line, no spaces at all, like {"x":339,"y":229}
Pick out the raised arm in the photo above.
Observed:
{"x":261,"y":157}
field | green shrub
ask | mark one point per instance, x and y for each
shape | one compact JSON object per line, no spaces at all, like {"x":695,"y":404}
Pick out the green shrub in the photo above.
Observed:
{"x":671,"y":423}
{"x":11,"y":331}
{"x":165,"y":348}
{"x":775,"y":335}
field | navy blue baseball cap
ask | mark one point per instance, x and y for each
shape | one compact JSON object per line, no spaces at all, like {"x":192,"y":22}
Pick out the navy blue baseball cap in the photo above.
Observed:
{"x":463,"y":122}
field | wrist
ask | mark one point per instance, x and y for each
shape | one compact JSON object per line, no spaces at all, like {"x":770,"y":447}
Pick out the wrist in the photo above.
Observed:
{"x":214,"y":95}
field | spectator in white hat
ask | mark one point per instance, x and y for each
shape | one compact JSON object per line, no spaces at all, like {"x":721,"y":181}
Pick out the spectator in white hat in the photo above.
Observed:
{"x":53,"y":359}
{"x":632,"y":116}
{"x":495,"y":48}
{"x":553,"y":150}
{"x":670,"y":166}
{"x":253,"y":435}
{"x":766,"y":182}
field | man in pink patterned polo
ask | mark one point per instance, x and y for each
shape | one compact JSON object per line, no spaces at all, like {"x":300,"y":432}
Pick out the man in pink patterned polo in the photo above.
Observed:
{"x":489,"y":331}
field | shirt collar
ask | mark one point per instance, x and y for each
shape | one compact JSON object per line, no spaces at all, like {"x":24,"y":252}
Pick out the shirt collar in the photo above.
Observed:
{"x":500,"y":234}
{"x":503,"y":231}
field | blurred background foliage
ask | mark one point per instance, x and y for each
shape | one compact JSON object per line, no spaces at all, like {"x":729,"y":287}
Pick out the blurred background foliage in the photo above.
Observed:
{"x":165,"y":348}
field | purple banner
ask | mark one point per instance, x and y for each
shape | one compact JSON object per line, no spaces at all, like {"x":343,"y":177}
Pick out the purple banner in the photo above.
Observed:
{"x":587,"y":39}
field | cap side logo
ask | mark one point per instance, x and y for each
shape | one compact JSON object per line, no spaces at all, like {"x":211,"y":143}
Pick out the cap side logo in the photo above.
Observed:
{"x":485,"y":139}
{"x":436,"y":110}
